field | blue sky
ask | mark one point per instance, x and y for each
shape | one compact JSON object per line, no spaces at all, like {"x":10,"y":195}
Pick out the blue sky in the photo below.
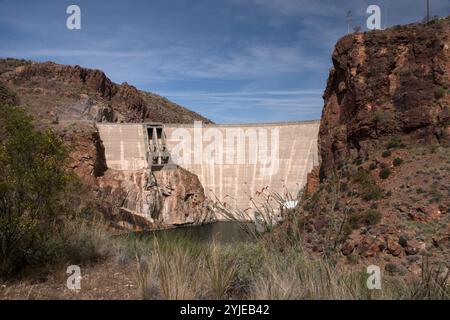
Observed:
{"x":230,"y":60}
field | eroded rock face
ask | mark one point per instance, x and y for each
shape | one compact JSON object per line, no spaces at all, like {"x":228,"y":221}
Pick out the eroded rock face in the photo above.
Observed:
{"x":143,"y":200}
{"x":383,"y":84}
{"x":74,"y":93}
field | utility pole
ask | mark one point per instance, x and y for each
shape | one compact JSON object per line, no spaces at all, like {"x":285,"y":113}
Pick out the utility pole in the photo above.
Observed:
{"x":349,"y":20}
{"x":428,"y":11}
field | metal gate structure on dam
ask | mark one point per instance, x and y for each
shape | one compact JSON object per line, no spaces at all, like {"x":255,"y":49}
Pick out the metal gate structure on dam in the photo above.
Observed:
{"x":233,"y":162}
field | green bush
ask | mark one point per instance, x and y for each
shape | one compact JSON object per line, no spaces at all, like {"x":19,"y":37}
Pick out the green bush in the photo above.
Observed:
{"x":354,"y":220}
{"x":372,"y":192}
{"x":34,"y":191}
{"x":420,"y":190}
{"x":397,"y":161}
{"x":439,"y":92}
{"x":402,"y":241}
{"x":347,"y":229}
{"x":369,"y":190}
{"x":361,"y":177}
{"x":395,"y":143}
{"x":373,"y":166}
{"x":386,"y":154}
{"x":371,"y":217}
{"x":384,"y":173}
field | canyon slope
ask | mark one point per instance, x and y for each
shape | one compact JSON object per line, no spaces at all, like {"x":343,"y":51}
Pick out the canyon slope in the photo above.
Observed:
{"x":382,"y":191}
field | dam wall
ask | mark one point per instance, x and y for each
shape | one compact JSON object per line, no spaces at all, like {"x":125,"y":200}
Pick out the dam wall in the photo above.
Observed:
{"x":233,"y":162}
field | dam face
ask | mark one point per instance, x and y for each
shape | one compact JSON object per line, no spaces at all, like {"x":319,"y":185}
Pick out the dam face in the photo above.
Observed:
{"x":233,"y":162}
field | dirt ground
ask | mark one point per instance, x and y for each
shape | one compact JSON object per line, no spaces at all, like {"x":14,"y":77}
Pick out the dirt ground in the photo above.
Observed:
{"x":107,"y":280}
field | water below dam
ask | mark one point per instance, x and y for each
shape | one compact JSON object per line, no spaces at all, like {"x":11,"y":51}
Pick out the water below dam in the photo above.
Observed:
{"x":221,"y":231}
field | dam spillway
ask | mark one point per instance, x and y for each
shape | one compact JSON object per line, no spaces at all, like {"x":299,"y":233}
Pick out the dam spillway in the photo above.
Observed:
{"x":233,"y":162}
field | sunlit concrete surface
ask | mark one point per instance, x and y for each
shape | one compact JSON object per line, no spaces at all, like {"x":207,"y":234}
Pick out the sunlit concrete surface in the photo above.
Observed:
{"x":235,"y":183}
{"x":124,"y":146}
{"x":274,"y":155}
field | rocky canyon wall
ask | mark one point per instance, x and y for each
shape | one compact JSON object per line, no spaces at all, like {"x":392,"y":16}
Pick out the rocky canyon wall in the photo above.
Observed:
{"x":385,"y":84}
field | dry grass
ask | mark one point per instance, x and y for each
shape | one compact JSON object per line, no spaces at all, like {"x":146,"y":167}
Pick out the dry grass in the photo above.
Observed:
{"x":180,"y":273}
{"x":221,"y":269}
{"x":264,"y":270}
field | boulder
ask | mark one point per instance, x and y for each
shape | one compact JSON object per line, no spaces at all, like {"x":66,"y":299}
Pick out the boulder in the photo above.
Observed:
{"x":146,"y":200}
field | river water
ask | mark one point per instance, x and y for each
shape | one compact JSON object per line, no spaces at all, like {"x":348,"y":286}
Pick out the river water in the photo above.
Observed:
{"x":221,"y":231}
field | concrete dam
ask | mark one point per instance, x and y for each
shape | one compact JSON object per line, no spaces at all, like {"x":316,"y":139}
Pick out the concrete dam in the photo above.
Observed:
{"x":233,"y":162}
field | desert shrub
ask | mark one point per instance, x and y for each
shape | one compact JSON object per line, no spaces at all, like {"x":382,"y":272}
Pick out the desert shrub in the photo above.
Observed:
{"x":32,"y":185}
{"x":384,"y":173}
{"x":378,"y":116}
{"x":347,"y":229}
{"x":392,"y":268}
{"x":420,"y":190}
{"x":372,"y":192}
{"x":392,"y":144}
{"x":369,"y":190}
{"x":315,"y":197}
{"x":354,"y":220}
{"x":439,"y":92}
{"x":373,"y":166}
{"x":371,"y":217}
{"x":361,"y":177}
{"x":386,"y":153}
{"x":395,"y":143}
{"x":7,"y":97}
{"x":37,"y":223}
{"x":397,"y":161}
{"x":402,"y":241}
{"x":436,"y":196}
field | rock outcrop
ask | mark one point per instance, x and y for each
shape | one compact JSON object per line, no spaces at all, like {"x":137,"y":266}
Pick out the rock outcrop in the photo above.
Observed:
{"x":384,"y":144}
{"x":73,"y":93}
{"x":384,"y":84}
{"x":145,"y":200}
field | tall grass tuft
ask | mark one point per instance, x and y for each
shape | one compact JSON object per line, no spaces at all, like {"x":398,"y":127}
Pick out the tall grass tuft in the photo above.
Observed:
{"x":221,"y":269}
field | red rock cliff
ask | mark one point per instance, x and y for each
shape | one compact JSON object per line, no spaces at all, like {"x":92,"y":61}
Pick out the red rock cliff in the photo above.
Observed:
{"x":385,"y":84}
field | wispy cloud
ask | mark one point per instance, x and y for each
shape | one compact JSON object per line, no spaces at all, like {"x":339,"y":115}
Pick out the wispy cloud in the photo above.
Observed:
{"x":229,"y":60}
{"x":262,"y":105}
